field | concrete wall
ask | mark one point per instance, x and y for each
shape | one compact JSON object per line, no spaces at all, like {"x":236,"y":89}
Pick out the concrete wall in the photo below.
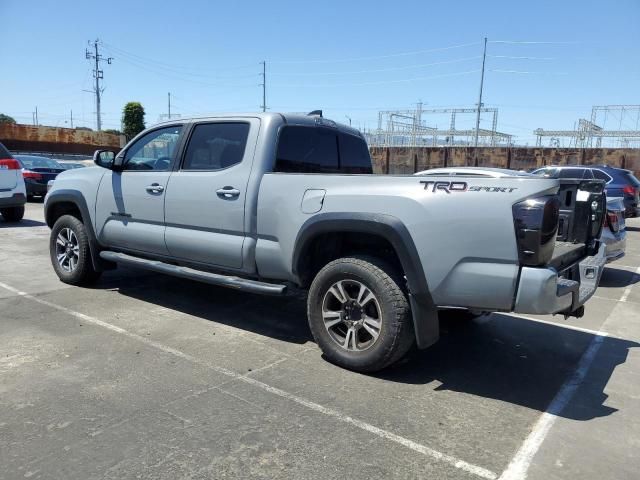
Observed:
{"x":407,"y":160}
{"x":56,"y":140}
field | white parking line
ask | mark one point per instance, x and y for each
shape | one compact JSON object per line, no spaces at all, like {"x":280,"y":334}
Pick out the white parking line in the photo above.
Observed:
{"x":416,"y":447}
{"x":554,"y":324}
{"x":520,"y":463}
{"x":627,"y":290}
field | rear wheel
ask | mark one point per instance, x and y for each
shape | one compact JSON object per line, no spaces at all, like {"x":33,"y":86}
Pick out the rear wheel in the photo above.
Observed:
{"x":70,"y":252}
{"x":12,"y":214}
{"x":359,"y":314}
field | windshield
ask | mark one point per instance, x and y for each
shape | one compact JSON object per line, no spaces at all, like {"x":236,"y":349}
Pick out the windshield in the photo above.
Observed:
{"x":38,"y":162}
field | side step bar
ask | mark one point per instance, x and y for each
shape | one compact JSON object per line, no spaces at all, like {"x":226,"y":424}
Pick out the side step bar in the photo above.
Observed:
{"x":247,"y":285}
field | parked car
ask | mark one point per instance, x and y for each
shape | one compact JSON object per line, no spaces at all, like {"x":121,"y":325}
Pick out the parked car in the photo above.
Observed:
{"x":72,"y":165}
{"x":474,"y":172}
{"x":613,"y":232}
{"x":614,"y":235}
{"x":258,"y":202}
{"x":13,"y":194}
{"x":37,"y":171}
{"x":620,"y":183}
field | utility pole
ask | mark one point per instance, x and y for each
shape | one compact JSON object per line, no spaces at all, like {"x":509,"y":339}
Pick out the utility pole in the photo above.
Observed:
{"x":169,"y":98}
{"x":264,"y":86}
{"x":475,"y":143}
{"x":71,"y":118}
{"x":98,"y":75}
{"x":36,"y":115}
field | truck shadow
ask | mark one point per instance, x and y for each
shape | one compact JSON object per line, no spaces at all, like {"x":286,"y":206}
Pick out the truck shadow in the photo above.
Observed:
{"x":517,"y":361}
{"x":618,"y":278}
{"x":501,"y":357}
{"x":24,"y":223}
{"x":282,"y":318}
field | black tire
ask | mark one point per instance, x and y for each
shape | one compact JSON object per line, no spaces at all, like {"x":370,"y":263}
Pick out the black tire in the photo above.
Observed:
{"x":82,"y":272}
{"x":12,"y":214}
{"x":396,"y":333}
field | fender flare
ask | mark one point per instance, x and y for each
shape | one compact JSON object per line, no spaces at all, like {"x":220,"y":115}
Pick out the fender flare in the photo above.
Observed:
{"x":423,"y":309}
{"x":77,"y":199}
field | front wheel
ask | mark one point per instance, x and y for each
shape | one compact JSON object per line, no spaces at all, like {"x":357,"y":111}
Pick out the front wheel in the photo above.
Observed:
{"x":70,"y":251}
{"x":359,"y":314}
{"x":12,"y":214}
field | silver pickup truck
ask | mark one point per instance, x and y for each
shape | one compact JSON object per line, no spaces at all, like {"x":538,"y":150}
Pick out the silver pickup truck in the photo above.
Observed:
{"x":263,"y":202}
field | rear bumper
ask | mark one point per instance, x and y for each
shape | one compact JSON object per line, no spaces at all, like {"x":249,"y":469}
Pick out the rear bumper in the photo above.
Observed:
{"x":615,"y":244}
{"x":542,"y":291}
{"x":35,"y":188}
{"x":16,"y":200}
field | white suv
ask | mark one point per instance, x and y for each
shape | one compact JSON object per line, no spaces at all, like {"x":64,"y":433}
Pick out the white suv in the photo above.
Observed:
{"x":13,"y":193}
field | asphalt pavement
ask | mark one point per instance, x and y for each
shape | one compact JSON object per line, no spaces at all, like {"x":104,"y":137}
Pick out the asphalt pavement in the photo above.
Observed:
{"x":154,"y":377}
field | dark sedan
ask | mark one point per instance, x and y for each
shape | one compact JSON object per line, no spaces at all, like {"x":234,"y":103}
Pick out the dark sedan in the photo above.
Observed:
{"x":37,"y":171}
{"x":620,"y":182}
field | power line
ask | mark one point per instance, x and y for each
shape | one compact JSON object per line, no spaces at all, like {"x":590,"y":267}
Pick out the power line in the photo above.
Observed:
{"x":519,"y":42}
{"x":520,"y":58}
{"x":378,"y":70}
{"x":527,"y":73}
{"x":376,"y":57}
{"x":159,"y":72}
{"x":382,"y":82}
{"x":98,"y":75}
{"x":176,"y":68}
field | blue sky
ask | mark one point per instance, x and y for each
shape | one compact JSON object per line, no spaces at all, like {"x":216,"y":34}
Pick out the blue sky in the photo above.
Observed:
{"x":347,"y":58}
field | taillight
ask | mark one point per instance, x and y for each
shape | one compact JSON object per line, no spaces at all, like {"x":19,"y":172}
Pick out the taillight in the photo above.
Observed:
{"x":536,"y":224}
{"x":612,"y":220}
{"x":9,"y":164}
{"x":29,"y":174}
{"x":629,"y":190}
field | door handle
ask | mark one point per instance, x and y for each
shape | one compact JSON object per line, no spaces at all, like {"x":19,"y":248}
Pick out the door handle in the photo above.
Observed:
{"x":155,"y":188}
{"x":228,"y":192}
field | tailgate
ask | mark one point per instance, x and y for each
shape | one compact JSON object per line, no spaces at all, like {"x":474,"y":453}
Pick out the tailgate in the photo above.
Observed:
{"x":582,"y":209}
{"x":8,"y":172}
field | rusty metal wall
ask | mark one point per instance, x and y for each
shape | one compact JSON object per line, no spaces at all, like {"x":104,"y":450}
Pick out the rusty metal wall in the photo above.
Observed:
{"x":407,"y":160}
{"x":56,"y":140}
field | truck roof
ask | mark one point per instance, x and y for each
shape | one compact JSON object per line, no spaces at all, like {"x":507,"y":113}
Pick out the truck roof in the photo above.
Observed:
{"x":289,"y":118}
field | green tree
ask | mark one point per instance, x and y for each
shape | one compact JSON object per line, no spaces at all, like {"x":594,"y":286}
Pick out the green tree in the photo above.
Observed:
{"x":7,"y":119}
{"x":132,"y":119}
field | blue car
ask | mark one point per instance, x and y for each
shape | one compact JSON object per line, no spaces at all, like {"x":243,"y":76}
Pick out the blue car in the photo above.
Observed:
{"x":620,"y":183}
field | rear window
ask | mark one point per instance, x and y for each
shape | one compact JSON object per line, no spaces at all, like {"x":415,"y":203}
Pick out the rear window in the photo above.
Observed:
{"x":321,"y":150}
{"x":354,"y":154}
{"x":600,"y":175}
{"x":572,"y":173}
{"x":38,"y":162}
{"x":632,"y":179}
{"x":307,"y":150}
{"x":4,"y":153}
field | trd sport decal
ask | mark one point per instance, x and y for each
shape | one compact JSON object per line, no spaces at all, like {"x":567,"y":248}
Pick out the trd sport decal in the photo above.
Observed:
{"x":449,"y":187}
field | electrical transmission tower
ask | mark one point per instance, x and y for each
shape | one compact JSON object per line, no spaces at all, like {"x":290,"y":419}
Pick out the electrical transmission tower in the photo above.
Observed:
{"x":98,"y":75}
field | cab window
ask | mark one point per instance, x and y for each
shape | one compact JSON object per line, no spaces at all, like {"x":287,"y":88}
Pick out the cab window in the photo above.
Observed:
{"x":153,"y":151}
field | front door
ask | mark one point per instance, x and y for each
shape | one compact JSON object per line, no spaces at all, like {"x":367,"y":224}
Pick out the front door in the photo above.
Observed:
{"x":130,"y":203}
{"x":205,"y":201}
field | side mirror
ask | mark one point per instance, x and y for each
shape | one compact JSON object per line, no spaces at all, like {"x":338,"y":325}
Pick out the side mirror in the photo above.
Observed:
{"x":118,"y":162}
{"x":104,"y":158}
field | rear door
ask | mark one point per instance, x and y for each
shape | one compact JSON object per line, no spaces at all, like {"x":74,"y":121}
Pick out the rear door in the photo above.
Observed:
{"x":130,"y":203}
{"x":205,"y":200}
{"x":9,"y":170}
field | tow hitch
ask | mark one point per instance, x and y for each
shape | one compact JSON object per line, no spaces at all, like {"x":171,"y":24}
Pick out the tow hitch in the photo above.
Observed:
{"x":578,"y":313}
